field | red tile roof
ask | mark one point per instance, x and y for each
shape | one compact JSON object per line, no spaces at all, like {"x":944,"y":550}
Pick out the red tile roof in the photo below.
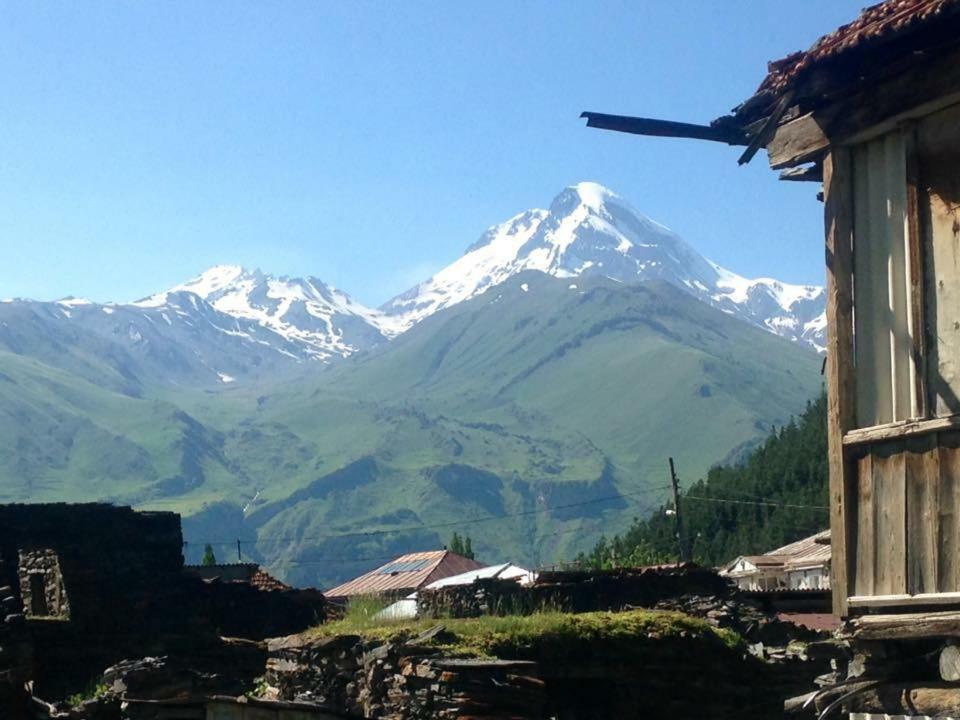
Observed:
{"x":406,"y":573}
{"x":880,"y":22}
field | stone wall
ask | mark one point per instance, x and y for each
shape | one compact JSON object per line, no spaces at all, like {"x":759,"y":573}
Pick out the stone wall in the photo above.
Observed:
{"x":669,"y":675}
{"x":114,"y":587}
{"x":41,"y":585}
{"x":572,"y":591}
{"x":401,"y":680}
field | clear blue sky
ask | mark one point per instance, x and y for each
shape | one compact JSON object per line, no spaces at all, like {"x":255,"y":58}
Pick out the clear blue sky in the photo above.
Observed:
{"x":368,"y":143}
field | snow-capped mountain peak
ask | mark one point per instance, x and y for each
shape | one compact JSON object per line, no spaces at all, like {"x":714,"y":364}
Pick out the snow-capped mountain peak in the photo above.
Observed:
{"x":324,"y":320}
{"x":591,"y":230}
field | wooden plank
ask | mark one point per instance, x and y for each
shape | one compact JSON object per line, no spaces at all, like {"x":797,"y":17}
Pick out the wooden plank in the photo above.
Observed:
{"x":889,"y":489}
{"x":903,"y":599}
{"x":862,"y":115}
{"x":948,"y":571}
{"x":938,"y":140}
{"x":866,"y":560}
{"x":880,"y":106}
{"x":923,"y":516}
{"x":796,"y":142}
{"x":664,"y":128}
{"x":807,"y":173}
{"x":838,"y":218}
{"x":898,"y":283}
{"x":869,"y":269}
{"x":907,"y":626}
{"x":900,"y":430}
{"x":915,"y":269}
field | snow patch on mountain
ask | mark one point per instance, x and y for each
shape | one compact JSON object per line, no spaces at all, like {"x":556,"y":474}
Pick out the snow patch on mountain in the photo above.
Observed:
{"x":590,"y":230}
{"x":324,"y":321}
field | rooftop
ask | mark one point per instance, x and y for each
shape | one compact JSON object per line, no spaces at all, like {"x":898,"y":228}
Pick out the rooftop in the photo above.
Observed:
{"x":405,"y":573}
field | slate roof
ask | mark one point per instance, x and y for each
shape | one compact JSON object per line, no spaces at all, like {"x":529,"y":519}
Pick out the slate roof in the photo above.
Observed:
{"x":406,"y":573}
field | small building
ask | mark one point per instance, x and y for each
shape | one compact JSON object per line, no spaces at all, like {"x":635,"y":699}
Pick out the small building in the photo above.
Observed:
{"x":801,"y":565}
{"x":872,"y":112}
{"x":404,"y":575}
{"x":406,"y":607}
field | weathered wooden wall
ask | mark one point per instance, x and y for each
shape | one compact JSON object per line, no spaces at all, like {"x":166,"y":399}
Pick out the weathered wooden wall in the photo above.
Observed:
{"x":907,"y":524}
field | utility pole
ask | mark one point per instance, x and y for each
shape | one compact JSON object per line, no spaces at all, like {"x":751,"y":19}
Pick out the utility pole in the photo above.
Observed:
{"x":678,"y":527}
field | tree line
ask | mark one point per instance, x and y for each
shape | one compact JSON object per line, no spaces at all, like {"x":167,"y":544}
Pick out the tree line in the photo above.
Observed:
{"x":774,"y":496}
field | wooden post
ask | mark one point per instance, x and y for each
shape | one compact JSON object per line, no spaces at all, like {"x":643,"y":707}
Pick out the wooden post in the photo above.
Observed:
{"x":915,"y":258}
{"x":838,"y":220}
{"x":675,"y":481}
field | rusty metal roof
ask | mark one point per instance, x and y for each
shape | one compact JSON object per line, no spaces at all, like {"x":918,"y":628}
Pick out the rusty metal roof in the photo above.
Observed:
{"x":882,"y":21}
{"x":406,"y":573}
{"x":808,"y":551}
{"x":813,"y":551}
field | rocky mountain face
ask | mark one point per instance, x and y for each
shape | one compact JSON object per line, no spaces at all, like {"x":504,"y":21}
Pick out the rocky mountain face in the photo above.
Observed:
{"x":590,"y":230}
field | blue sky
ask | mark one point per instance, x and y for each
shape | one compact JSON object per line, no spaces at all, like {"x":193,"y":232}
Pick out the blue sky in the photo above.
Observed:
{"x":368,"y":143}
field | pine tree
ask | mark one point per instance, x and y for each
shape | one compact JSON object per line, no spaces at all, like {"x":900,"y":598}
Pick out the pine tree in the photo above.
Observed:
{"x":778,"y":491}
{"x":456,"y":544}
{"x":468,"y":548}
{"x":208,"y":557}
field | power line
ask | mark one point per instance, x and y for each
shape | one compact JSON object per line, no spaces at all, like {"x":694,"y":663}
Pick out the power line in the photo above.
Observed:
{"x":432,"y":526}
{"x":760,"y":503}
{"x":371,"y":558}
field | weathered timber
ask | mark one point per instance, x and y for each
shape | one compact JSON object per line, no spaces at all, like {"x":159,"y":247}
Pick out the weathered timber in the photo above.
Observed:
{"x":797,"y":142}
{"x":664,"y":128}
{"x":916,"y":321}
{"x":906,"y":626}
{"x":909,"y":699}
{"x":900,"y":430}
{"x":840,"y":377}
{"x":807,"y":173}
{"x":924,"y":85}
{"x":949,"y":663}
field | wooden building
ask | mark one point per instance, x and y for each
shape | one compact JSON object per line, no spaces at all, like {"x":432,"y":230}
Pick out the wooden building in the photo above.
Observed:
{"x":872,"y":111}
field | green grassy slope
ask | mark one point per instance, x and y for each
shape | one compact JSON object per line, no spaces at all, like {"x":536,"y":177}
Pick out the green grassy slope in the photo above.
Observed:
{"x":524,"y":402}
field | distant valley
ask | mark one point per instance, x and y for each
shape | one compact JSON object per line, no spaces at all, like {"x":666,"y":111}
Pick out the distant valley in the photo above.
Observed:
{"x":529,"y":393}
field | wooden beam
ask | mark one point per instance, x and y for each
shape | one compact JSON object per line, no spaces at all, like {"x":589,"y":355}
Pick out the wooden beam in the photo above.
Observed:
{"x":900,"y":430}
{"x":797,"y":142}
{"x":838,"y":218}
{"x":902,"y":600}
{"x":807,"y":173}
{"x":905,"y":700}
{"x":875,"y":106}
{"x":915,"y":258}
{"x":906,"y":626}
{"x":664,"y":128}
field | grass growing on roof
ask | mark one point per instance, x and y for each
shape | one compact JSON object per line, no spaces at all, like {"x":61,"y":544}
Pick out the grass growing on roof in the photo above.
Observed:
{"x":541,"y":634}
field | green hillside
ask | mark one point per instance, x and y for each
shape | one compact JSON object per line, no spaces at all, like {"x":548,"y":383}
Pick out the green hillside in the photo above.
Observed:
{"x":779,"y":494}
{"x":547,"y":405}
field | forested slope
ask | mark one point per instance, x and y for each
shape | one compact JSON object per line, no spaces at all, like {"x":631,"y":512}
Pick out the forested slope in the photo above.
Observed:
{"x":778,"y":494}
